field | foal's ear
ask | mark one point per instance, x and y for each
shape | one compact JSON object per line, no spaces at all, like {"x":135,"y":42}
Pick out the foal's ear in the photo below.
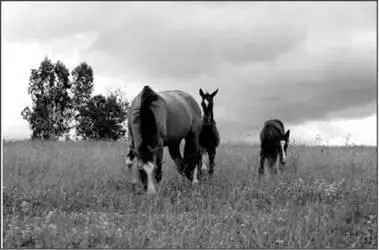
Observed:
{"x":214,"y":92}
{"x":287,"y":134}
{"x":201,"y":92}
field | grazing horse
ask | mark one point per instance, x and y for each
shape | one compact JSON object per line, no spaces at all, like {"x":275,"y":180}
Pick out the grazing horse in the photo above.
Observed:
{"x":274,"y":142}
{"x":157,"y":120}
{"x":209,"y":136}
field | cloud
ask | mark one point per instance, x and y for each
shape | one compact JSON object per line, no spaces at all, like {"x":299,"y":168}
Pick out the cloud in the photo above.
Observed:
{"x":274,"y":67}
{"x":293,"y":61}
{"x":157,"y":48}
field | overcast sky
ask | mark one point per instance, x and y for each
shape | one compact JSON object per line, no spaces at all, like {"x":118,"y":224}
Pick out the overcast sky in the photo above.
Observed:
{"x":310,"y":64}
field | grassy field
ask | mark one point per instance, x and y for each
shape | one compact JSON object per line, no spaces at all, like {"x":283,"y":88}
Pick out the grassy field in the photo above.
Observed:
{"x":76,"y":194}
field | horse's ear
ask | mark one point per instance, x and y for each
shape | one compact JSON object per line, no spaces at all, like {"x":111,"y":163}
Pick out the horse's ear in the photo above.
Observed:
{"x":214,"y":92}
{"x":287,"y":134}
{"x":201,"y":92}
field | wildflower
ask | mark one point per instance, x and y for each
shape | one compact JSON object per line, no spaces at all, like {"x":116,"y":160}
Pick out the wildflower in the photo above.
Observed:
{"x":279,"y":241}
{"x":53,"y":227}
{"x":50,"y":215}
{"x":25,"y":206}
{"x":119,"y":232}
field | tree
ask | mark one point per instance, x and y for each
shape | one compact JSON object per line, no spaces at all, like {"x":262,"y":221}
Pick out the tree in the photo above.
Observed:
{"x":82,"y":84}
{"x":120,"y":95}
{"x":59,"y":105}
{"x":102,"y":118}
{"x":49,"y":87}
{"x":82,"y":87}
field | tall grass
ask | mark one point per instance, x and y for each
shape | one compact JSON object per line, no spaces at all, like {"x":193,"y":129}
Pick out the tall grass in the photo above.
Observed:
{"x":76,"y":194}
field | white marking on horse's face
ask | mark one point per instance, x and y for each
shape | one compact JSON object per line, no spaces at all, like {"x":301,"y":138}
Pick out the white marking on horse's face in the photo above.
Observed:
{"x":149,"y":169}
{"x":206,"y":102}
{"x":282,"y":143}
{"x":131,"y":167}
{"x":194,"y":178}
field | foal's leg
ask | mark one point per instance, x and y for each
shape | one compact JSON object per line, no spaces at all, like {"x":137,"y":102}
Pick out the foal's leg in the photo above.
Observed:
{"x":174,"y":150}
{"x":262,"y":163}
{"x":211,"y":155}
{"x":271,"y":165}
{"x":274,"y":165}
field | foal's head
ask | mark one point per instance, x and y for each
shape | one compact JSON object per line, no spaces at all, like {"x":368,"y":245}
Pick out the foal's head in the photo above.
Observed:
{"x":207,"y":105}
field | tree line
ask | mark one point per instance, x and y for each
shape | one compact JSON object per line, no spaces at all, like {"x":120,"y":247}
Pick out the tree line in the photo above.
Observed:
{"x":60,"y":104}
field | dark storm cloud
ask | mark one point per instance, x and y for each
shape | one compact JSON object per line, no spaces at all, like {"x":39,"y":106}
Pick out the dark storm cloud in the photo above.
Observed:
{"x":153,"y":48}
{"x":293,"y":61}
{"x":345,"y":82}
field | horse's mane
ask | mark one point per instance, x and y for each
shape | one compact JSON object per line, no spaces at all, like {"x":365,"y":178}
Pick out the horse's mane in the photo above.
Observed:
{"x":148,"y":124}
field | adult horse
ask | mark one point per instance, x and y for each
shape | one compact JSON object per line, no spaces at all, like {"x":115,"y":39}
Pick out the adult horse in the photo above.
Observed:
{"x":274,"y":142}
{"x":209,"y":135}
{"x":163,"y":119}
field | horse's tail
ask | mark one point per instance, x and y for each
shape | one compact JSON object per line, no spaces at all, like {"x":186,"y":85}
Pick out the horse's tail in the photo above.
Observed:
{"x":148,"y":124}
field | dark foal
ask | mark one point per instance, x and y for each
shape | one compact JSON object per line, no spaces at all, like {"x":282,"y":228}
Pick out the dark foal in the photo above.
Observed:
{"x":209,"y":136}
{"x":274,"y":142}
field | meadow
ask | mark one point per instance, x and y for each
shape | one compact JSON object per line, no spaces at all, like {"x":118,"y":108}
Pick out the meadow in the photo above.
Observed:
{"x":77,"y":195}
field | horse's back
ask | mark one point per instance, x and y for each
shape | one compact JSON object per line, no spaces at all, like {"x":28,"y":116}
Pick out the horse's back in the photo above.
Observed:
{"x":183,"y":113}
{"x":275,"y":123}
{"x":180,"y":98}
{"x":177,"y":113}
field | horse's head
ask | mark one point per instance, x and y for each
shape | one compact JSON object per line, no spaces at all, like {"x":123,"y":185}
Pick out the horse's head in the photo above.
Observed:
{"x":142,"y":169}
{"x":148,"y":142}
{"x":283,"y":147}
{"x":131,"y":167}
{"x":207,"y":105}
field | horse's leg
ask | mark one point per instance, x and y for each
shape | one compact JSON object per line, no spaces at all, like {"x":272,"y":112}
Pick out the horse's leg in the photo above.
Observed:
{"x":174,"y":150}
{"x":191,"y":157}
{"x":211,"y":156}
{"x":262,"y":163}
{"x":271,"y":165}
{"x":158,"y":171}
{"x":131,"y":164}
{"x":202,"y":161}
{"x":199,"y":164}
{"x":275,"y":165}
